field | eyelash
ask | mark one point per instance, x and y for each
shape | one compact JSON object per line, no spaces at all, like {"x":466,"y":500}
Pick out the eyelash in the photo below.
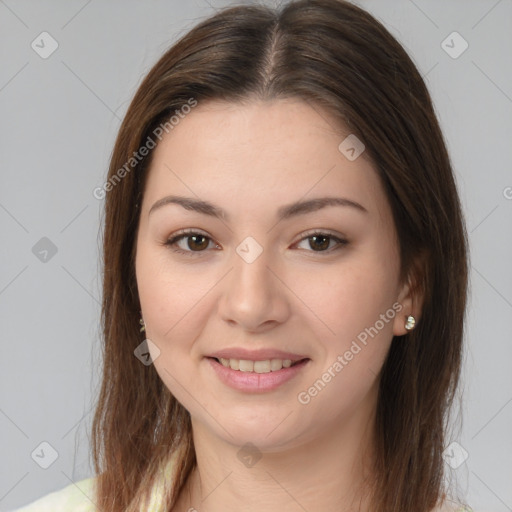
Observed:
{"x":171,"y":242}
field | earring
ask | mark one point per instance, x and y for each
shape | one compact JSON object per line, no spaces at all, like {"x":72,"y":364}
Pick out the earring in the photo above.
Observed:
{"x":410,"y":323}
{"x":143,"y":325}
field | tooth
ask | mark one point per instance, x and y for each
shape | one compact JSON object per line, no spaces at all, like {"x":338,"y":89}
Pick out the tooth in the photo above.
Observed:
{"x":275,"y":364}
{"x":246,"y":366}
{"x":262,"y":366}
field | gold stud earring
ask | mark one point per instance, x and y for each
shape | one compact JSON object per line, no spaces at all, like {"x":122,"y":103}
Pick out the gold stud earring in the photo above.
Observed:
{"x":143,"y":325}
{"x":410,"y":323}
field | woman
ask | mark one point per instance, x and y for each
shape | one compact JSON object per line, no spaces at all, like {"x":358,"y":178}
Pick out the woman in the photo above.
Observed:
{"x":284,"y":276}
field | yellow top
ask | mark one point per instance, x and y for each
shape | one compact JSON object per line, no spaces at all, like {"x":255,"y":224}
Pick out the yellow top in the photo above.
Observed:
{"x":76,"y":497}
{"x":79,"y":497}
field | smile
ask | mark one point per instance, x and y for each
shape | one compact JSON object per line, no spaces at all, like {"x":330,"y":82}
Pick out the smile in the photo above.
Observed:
{"x":256,"y":376}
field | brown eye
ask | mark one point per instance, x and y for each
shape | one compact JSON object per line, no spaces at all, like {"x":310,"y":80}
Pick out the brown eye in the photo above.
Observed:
{"x":319,"y":242}
{"x":191,"y":242}
{"x":197,"y":242}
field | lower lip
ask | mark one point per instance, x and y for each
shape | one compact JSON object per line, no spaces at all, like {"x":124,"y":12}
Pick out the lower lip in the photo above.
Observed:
{"x":255,"y":382}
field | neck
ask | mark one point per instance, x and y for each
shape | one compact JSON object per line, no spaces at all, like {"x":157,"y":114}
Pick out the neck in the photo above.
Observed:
{"x":326,"y":473}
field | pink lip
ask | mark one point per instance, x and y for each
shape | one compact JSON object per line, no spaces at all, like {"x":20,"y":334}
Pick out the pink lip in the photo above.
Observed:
{"x":255,"y":355}
{"x":256,"y":382}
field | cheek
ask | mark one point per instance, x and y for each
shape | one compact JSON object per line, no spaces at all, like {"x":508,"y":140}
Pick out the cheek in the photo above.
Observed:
{"x":172,"y":299}
{"x":175,"y":308}
{"x":353,"y":321}
{"x":348,"y":298}
{"x":356,"y":303}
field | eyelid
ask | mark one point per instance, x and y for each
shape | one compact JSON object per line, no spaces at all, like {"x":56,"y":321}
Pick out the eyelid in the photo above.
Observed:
{"x":321,"y":231}
{"x":189,"y":231}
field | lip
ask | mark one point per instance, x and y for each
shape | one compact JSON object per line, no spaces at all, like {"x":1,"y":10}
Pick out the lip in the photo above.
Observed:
{"x":251,"y":382}
{"x":256,"y":355}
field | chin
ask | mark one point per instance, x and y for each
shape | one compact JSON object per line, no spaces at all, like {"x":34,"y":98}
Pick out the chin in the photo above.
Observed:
{"x":268,"y":430}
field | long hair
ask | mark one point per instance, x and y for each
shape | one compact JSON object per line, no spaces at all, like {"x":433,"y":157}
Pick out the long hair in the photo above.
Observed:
{"x":334,"y":55}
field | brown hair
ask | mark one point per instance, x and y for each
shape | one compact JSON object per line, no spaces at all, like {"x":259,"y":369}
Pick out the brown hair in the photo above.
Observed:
{"x":336,"y":56}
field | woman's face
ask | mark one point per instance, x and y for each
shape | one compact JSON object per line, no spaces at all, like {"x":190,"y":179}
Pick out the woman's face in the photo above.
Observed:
{"x":261,"y":240}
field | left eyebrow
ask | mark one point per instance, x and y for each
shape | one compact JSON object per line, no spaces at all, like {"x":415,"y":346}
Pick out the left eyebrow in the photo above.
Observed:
{"x":284,"y":212}
{"x":313,"y":205}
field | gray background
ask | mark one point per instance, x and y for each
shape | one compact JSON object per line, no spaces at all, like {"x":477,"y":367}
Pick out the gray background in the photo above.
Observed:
{"x":59,"y":117}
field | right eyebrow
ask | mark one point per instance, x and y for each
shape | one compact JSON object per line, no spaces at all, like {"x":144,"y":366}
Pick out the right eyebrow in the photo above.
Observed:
{"x":192,"y":204}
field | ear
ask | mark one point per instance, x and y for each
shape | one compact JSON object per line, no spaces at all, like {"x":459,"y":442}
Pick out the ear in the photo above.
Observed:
{"x":411,"y":296}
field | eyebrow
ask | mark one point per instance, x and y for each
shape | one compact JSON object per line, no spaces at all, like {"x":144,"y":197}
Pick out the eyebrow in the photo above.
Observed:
{"x":284,"y":212}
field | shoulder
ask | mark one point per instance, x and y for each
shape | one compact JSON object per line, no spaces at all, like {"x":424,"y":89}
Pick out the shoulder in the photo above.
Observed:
{"x":80,"y":496}
{"x":76,"y":497}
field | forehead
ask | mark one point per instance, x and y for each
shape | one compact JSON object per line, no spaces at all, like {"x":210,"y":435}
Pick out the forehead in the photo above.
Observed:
{"x":259,"y":152}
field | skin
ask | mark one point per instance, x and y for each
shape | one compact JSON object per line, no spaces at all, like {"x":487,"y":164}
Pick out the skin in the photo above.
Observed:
{"x":250,"y":160}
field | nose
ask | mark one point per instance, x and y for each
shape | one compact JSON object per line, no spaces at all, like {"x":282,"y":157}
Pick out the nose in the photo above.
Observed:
{"x":253,"y":298}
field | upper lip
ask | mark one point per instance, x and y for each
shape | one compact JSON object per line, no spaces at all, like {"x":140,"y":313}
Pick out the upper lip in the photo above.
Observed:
{"x":256,"y":355}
